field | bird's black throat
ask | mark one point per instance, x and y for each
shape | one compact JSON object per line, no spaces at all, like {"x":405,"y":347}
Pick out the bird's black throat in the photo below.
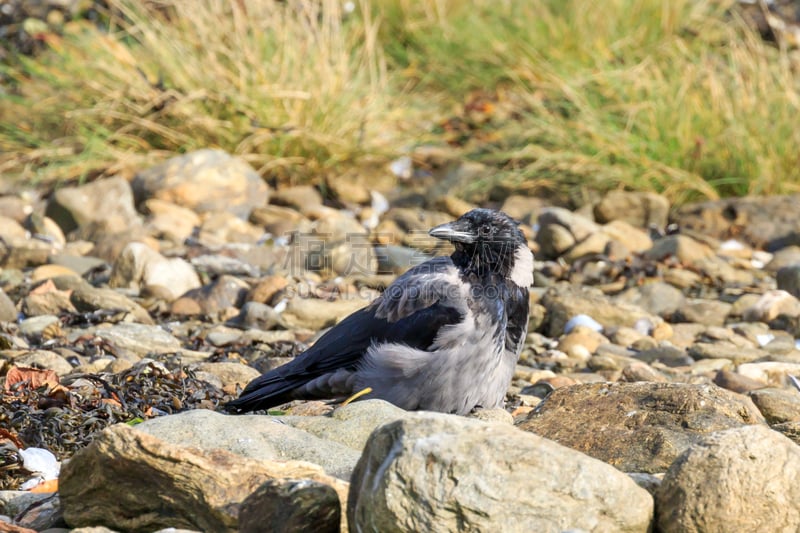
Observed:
{"x":485,"y":259}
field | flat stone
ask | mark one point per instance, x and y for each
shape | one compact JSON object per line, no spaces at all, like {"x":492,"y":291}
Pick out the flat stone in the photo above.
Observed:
{"x":736,"y":382}
{"x":768,"y":222}
{"x":139,"y":339}
{"x":24,"y":253}
{"x":254,"y":436}
{"x":51,"y":271}
{"x":314,"y":314}
{"x":10,"y":229}
{"x":638,"y":427}
{"x":726,"y":350}
{"x":771,"y":305}
{"x":86,"y":298}
{"x":299,"y":197}
{"x":706,"y":312}
{"x":76,"y":264}
{"x":46,"y":299}
{"x":230,"y":374}
{"x":222,"y":227}
{"x":777,"y":405}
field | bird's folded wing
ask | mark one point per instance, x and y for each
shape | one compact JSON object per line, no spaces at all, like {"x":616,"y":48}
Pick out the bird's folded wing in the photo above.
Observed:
{"x":411,"y":311}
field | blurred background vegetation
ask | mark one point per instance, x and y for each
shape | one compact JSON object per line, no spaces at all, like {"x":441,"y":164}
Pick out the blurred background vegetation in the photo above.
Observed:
{"x":676,"y":96}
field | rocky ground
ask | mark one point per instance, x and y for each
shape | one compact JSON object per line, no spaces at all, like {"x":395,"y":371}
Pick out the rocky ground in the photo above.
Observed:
{"x":657,"y":386}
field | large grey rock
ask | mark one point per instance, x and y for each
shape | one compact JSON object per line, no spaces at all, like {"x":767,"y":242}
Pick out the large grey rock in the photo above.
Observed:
{"x":254,"y":436}
{"x":640,"y":209}
{"x":436,"y":472}
{"x":742,"y":479}
{"x":138,"y":266}
{"x":132,"y":481}
{"x":638,"y":427}
{"x":107,"y":201}
{"x":204,"y":180}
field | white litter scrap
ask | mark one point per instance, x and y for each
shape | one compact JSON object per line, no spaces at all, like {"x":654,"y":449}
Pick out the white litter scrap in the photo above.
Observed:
{"x":41,"y":463}
{"x":582,"y":320}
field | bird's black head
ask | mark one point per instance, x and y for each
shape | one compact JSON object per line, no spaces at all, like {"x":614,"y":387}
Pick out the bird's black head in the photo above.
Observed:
{"x":488,"y":241}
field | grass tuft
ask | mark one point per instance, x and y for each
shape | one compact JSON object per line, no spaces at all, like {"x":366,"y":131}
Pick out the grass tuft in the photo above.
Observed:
{"x":288,"y":85}
{"x":569,"y":96}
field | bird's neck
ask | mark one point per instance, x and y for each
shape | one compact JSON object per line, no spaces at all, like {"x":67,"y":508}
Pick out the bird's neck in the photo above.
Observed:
{"x":484,"y":261}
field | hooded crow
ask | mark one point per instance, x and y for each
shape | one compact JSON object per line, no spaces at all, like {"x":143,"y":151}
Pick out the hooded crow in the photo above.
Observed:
{"x":445,"y":336}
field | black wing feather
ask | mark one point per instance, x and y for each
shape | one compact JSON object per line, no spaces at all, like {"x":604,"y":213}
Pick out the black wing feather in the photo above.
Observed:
{"x":411,"y":311}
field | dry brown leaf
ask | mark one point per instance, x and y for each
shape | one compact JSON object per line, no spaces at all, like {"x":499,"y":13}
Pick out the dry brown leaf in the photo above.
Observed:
{"x":8,"y":435}
{"x":5,"y":527}
{"x":30,"y":378}
{"x":45,"y":287}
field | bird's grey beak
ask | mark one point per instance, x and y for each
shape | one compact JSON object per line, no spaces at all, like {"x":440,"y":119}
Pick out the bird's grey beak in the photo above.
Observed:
{"x":453,"y":232}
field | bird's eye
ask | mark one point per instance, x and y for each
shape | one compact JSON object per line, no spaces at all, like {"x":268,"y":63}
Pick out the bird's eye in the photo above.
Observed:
{"x":484,"y":231}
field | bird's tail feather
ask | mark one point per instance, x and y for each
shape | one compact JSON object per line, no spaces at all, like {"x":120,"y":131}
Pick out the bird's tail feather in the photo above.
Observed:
{"x":263,"y":392}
